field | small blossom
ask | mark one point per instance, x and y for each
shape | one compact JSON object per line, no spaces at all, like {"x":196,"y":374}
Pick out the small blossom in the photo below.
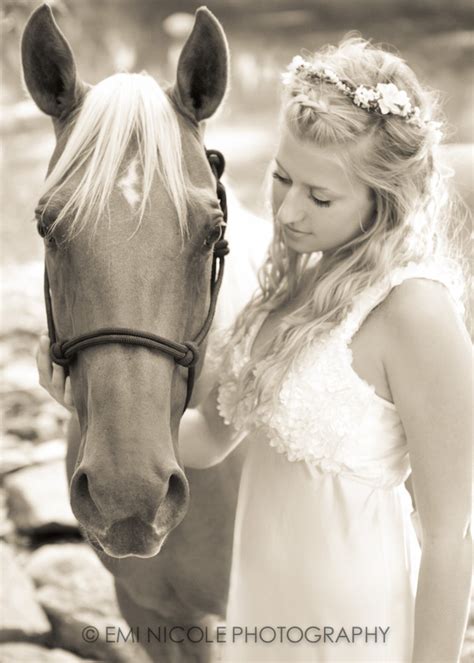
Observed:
{"x":331,"y":76}
{"x":342,"y":87}
{"x":392,"y":100}
{"x":297,"y":61}
{"x":364,"y":96}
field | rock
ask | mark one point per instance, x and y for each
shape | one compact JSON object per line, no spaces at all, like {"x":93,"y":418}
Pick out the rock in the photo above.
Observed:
{"x":34,"y":422}
{"x":7,"y":528}
{"x":70,"y":576}
{"x":45,"y":425}
{"x":21,"y":616}
{"x":77,"y":593}
{"x":16,"y":453}
{"x":23,"y":652}
{"x":21,"y":374}
{"x":38,"y":499}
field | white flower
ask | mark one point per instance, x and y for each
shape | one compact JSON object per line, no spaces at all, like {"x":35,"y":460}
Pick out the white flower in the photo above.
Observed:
{"x":363,"y":96}
{"x":297,"y":61}
{"x":331,"y":76}
{"x":392,"y":100}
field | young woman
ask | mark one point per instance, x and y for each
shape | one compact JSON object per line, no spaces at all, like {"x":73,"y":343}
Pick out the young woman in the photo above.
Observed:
{"x":348,"y":370}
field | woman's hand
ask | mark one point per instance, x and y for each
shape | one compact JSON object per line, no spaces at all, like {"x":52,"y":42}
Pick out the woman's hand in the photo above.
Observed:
{"x":52,"y":377}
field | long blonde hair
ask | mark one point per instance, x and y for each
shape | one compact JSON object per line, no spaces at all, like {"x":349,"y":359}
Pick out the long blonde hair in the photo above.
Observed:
{"x":398,"y":162}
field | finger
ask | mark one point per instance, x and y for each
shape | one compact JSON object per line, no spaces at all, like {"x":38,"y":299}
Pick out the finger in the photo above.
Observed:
{"x":43,"y":361}
{"x":57,"y":383}
{"x":68,"y":401}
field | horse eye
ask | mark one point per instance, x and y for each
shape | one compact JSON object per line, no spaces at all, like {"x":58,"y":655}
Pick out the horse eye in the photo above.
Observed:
{"x":43,"y":231}
{"x":214,"y":236}
{"x":41,"y":228}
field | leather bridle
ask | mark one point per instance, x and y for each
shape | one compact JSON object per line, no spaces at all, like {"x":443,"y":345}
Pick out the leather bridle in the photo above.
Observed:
{"x":184,"y":353}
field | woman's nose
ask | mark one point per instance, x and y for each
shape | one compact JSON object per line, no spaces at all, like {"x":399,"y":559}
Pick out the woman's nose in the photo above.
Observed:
{"x":292,"y":208}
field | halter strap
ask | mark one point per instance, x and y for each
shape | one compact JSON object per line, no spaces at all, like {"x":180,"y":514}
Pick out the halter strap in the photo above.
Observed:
{"x":186,"y":353}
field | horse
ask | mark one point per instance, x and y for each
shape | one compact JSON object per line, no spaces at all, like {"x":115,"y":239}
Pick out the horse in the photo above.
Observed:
{"x":130,"y":216}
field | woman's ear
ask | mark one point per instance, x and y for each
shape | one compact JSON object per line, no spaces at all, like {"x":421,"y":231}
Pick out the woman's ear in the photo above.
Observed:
{"x":49,"y":68}
{"x":202,"y":75}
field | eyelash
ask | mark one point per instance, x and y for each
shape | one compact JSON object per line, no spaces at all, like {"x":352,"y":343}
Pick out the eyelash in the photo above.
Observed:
{"x":317,"y":201}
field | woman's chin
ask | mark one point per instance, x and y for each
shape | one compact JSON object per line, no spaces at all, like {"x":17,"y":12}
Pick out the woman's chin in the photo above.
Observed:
{"x":301,"y":242}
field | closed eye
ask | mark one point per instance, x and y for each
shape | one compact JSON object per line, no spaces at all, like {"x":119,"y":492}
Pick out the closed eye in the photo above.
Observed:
{"x":281,"y":178}
{"x":287,"y":182}
{"x":319,"y":202}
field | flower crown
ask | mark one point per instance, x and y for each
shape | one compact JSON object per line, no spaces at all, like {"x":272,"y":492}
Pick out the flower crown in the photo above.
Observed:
{"x":385,"y":98}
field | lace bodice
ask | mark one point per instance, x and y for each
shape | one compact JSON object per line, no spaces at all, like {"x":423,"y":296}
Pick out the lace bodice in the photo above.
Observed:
{"x":325,"y":414}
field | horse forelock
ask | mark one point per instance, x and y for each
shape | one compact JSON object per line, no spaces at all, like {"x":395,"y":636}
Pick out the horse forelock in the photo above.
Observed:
{"x":122,"y":110}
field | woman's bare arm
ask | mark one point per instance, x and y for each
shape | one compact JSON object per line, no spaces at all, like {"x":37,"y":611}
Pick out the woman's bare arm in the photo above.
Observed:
{"x":428,"y":363}
{"x":204,"y":438}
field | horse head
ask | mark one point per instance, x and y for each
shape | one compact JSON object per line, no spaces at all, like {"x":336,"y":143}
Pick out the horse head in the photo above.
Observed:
{"x":130,"y":217}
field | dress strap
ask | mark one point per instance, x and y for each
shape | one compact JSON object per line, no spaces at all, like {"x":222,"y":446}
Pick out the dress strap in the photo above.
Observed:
{"x":375,"y":294}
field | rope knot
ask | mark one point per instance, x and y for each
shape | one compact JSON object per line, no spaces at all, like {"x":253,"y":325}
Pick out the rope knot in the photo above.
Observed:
{"x":221,"y":248}
{"x":57,"y":354}
{"x":191,"y":357}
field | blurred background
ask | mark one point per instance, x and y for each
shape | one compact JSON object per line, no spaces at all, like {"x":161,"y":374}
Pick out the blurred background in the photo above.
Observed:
{"x":54,"y":583}
{"x":433,"y":35}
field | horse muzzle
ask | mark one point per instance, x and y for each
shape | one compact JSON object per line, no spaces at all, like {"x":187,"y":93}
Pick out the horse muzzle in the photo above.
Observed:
{"x":129,"y":513}
{"x":128,"y":538}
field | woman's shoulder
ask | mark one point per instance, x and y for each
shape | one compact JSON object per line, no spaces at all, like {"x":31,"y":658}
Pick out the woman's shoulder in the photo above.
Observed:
{"x":421,"y":311}
{"x":406,"y":292}
{"x":417,"y":297}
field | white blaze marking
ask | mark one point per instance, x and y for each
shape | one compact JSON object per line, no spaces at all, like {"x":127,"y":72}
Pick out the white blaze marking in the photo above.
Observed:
{"x":128,"y":185}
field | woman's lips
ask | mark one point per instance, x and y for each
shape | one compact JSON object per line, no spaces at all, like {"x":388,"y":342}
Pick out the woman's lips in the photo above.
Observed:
{"x":295,"y":232}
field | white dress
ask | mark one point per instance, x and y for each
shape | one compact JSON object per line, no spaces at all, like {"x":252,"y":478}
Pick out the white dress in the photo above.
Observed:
{"x":324,"y":540}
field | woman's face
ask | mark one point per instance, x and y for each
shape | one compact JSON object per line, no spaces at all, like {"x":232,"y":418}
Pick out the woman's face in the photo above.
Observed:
{"x":318,"y":204}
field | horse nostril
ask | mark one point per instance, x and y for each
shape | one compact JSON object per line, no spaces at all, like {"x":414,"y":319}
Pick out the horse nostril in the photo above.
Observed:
{"x":176,"y":489}
{"x":83,"y":493}
{"x":83,"y":504}
{"x":82,"y":486}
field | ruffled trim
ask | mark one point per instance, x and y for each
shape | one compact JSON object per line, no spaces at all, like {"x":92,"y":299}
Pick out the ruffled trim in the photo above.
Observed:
{"x":326,"y":412}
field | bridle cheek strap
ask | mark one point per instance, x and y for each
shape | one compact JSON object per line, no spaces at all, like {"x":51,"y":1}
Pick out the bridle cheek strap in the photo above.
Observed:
{"x":185,"y":353}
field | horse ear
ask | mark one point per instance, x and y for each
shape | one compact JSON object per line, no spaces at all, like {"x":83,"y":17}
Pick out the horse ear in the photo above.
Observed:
{"x":202,"y":75}
{"x":49,"y":69}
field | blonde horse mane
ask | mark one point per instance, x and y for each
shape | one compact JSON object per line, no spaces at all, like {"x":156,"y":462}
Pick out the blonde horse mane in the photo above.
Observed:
{"x":120,"y":109}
